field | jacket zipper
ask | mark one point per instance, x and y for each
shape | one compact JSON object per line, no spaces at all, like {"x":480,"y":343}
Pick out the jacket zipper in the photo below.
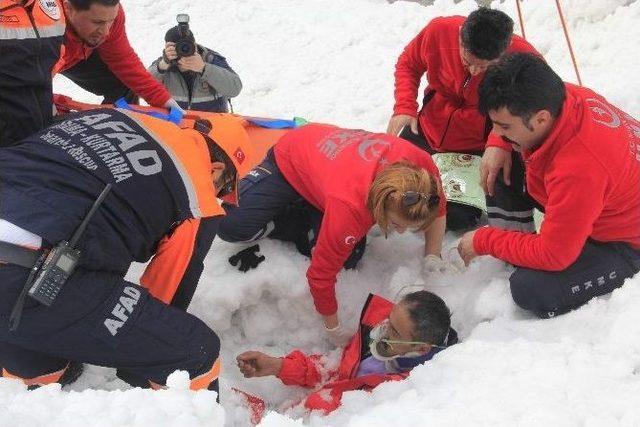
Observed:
{"x":460,"y":94}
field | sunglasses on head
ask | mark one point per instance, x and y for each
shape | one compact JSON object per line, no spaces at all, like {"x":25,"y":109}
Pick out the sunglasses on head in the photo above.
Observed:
{"x":411,"y":198}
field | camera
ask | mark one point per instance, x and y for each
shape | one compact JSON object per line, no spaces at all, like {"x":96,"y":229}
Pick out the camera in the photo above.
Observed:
{"x":185,"y":45}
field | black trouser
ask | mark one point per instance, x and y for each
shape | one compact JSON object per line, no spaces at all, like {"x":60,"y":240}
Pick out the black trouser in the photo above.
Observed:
{"x":600,"y":268}
{"x":101,"y":319}
{"x":459,"y":217}
{"x":271,"y":207}
{"x":511,"y":207}
{"x":94,"y":76}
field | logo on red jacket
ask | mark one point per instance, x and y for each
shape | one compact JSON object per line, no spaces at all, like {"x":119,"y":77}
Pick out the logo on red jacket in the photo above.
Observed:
{"x":350,"y":240}
{"x":604,"y":114}
{"x":9,"y":19}
{"x":372,"y":148}
{"x":50,"y":8}
{"x":239,"y":155}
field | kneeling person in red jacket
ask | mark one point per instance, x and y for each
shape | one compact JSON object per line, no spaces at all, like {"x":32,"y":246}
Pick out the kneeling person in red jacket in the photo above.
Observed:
{"x":582,"y":168}
{"x":392,"y":340}
{"x":354,"y":179}
{"x":453,"y":53}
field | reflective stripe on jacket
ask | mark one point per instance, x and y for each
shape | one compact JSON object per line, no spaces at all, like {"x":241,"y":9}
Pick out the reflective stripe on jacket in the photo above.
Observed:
{"x":30,"y":40}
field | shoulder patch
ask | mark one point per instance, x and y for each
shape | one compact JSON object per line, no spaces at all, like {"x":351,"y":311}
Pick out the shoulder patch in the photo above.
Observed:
{"x":350,"y":240}
{"x":50,"y":8}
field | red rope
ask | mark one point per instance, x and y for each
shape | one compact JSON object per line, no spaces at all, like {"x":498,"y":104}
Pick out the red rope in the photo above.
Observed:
{"x":566,"y":35}
{"x":521,"y":20}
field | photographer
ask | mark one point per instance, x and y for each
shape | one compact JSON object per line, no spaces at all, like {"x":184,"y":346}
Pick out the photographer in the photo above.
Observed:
{"x":197,"y":77}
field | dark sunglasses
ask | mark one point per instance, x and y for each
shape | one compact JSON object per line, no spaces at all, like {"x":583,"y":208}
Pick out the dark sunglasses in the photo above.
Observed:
{"x":411,"y":198}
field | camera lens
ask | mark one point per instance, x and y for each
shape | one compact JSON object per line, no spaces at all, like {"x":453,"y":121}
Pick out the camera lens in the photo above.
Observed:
{"x":185,"y":48}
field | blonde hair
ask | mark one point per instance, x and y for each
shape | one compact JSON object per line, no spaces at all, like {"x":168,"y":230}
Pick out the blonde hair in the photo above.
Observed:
{"x":385,"y":195}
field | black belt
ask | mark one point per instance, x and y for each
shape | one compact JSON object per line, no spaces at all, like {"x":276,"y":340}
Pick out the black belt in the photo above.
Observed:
{"x":19,"y":255}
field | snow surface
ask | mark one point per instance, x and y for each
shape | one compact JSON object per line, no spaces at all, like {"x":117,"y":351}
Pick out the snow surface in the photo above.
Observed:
{"x":333,"y":61}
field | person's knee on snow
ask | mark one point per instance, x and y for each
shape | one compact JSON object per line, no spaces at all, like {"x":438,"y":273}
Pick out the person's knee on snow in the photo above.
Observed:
{"x":532,"y":290}
{"x":65,"y":376}
{"x":36,"y":369}
{"x":232,"y":230}
{"x":202,"y":363}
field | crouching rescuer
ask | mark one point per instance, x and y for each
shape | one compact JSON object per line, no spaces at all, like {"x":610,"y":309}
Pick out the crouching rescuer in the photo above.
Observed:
{"x":81,"y":201}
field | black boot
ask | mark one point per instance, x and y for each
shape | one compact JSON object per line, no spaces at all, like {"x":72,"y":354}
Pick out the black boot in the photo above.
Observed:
{"x":72,"y":373}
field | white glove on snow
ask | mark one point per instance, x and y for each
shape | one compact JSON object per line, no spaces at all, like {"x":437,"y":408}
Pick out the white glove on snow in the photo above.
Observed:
{"x":435,"y":264}
{"x":338,"y":336}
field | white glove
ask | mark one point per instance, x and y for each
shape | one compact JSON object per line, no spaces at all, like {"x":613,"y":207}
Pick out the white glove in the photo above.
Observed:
{"x":172,"y":103}
{"x":338,"y":336}
{"x":435,"y":264}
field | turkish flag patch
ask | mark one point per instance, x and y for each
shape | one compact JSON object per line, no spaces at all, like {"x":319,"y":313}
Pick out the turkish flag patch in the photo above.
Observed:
{"x":239,"y":155}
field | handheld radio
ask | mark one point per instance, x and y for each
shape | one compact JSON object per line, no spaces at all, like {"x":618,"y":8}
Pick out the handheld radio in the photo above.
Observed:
{"x":61,"y":261}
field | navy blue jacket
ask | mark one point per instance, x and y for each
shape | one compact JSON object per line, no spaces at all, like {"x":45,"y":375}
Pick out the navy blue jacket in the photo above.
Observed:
{"x":160,"y":175}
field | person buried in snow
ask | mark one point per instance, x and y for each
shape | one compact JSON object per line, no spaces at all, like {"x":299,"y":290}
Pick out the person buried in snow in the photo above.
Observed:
{"x":392,"y":340}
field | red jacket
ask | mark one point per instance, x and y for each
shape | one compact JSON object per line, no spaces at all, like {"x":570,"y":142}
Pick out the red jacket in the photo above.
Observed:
{"x":333,"y":169}
{"x":300,"y":369}
{"x":121,"y":59}
{"x":449,"y":119}
{"x":586,"y":174}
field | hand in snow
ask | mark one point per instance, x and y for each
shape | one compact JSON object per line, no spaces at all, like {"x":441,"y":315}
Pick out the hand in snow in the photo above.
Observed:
{"x":494,"y":159}
{"x":465,"y":247}
{"x":191,"y":63}
{"x":435,"y":264}
{"x":257,"y":364}
{"x":337,"y":335}
{"x":401,"y":120}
